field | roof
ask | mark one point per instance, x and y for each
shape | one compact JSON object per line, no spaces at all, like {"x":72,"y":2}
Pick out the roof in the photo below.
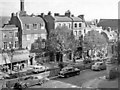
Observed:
{"x":113,"y":23}
{"x":31,"y":20}
{"x":62,"y":19}
{"x":4,"y":20}
{"x":77,"y":19}
{"x":10,"y":26}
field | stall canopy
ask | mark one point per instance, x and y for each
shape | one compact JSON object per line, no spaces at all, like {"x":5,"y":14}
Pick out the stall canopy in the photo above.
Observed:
{"x":18,"y":56}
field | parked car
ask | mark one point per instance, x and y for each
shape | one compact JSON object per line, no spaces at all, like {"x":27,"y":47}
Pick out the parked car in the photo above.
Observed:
{"x":99,"y":66}
{"x":69,"y":71}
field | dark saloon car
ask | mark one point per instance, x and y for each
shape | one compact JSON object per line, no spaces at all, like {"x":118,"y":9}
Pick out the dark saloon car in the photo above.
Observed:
{"x":69,"y":71}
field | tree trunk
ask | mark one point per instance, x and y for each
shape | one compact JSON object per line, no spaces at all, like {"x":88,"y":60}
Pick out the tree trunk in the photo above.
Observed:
{"x":55,"y":59}
{"x":72,"y":56}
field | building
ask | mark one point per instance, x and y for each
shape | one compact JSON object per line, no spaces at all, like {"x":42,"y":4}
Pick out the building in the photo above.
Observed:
{"x":62,"y":20}
{"x":49,"y":22}
{"x":9,"y":37}
{"x":29,"y":27}
{"x":78,"y":26}
{"x":111,"y":24}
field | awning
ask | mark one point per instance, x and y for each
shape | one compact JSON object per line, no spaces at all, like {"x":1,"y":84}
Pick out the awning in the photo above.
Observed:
{"x":20,"y":57}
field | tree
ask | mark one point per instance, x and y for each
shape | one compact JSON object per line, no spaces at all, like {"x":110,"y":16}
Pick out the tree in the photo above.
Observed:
{"x":38,"y":45}
{"x":61,"y":39}
{"x":94,"y":39}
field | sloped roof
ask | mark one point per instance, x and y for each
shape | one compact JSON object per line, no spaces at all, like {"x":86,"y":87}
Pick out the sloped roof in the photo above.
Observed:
{"x":62,"y":19}
{"x":76,"y":19}
{"x":31,"y":20}
{"x":4,"y":20}
{"x":10,"y":26}
{"x":113,"y":23}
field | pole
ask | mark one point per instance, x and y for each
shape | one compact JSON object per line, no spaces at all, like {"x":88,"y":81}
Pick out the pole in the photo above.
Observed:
{"x":11,"y":63}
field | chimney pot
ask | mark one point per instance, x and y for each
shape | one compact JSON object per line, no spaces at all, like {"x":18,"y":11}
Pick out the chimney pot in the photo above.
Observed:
{"x":56,"y":14}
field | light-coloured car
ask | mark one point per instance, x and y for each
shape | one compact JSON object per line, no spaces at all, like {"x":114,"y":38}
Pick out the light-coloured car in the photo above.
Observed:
{"x":39,"y":68}
{"x":99,"y":66}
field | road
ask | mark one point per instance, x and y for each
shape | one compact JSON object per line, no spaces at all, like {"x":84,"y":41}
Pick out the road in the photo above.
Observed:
{"x":83,"y":77}
{"x":75,"y":80}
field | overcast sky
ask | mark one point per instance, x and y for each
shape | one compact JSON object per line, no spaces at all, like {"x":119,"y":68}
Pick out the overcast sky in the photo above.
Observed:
{"x":92,"y":9}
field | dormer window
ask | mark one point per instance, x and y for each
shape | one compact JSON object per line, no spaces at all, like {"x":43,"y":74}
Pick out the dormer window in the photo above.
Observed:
{"x":35,"y":26}
{"x":42,"y":26}
{"x":27,"y":26}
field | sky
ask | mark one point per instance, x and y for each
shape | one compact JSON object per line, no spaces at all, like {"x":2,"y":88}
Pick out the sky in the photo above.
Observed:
{"x":92,"y":9}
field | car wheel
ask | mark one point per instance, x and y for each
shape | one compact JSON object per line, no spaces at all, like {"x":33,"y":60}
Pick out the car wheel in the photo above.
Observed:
{"x":67,"y":76}
{"x":78,"y":73}
{"x":99,"y":69}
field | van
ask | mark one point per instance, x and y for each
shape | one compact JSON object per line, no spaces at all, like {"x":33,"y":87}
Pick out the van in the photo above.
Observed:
{"x":37,"y":69}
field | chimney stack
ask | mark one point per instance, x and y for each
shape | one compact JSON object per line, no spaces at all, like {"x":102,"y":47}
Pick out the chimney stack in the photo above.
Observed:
{"x":68,"y":13}
{"x":22,"y":5}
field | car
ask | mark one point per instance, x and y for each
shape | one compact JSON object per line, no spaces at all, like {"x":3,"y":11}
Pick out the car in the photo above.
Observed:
{"x":38,"y":68}
{"x":99,"y":66}
{"x":69,"y":71}
{"x":31,"y":81}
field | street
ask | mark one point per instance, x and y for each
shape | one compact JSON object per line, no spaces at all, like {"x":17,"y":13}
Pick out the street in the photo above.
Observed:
{"x":83,"y":77}
{"x":74,"y":81}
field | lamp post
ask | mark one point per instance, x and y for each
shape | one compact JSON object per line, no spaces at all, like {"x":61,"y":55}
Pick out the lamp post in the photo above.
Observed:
{"x":11,"y":54}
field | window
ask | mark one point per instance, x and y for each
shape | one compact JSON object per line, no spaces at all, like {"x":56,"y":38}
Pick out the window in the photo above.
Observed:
{"x":84,"y":31}
{"x":16,"y":44}
{"x":59,"y":24}
{"x":27,"y":26}
{"x":79,"y":32}
{"x":16,"y":34}
{"x":10,"y":44}
{"x":69,"y":26}
{"x":35,"y":36}
{"x":5,"y":45}
{"x":79,"y":24}
{"x":35,"y":26}
{"x":28,"y":37}
{"x":10,"y":34}
{"x":42,"y":26}
{"x":75,"y":25}
{"x":4,"y":35}
{"x":76,"y":33}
